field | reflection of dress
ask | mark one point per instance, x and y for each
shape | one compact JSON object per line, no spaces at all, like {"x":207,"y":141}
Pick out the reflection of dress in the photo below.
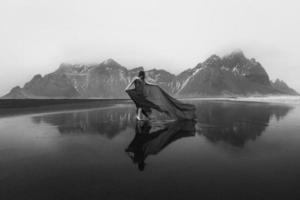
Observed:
{"x":147,"y":143}
{"x":149,"y":97}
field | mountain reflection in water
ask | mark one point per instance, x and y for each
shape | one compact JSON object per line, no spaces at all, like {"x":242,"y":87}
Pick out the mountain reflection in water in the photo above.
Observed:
{"x":233,"y":150}
{"x":230,"y":122}
{"x":236,"y":123}
{"x":108,"y":122}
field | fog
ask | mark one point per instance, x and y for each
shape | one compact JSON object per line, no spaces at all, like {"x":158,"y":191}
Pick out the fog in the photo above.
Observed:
{"x":37,"y":35}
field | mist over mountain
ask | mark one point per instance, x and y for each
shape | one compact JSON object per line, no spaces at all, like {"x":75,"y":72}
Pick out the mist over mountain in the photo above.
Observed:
{"x":231,"y":75}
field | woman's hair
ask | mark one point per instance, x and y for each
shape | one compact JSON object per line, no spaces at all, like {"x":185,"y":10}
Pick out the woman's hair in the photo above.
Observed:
{"x":142,"y":75}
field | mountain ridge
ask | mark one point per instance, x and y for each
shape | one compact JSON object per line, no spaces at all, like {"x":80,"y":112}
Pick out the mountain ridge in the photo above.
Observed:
{"x":231,"y":75}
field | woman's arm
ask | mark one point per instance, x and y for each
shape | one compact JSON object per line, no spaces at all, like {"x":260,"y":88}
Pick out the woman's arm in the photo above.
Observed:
{"x":129,"y":85}
{"x":148,"y":83}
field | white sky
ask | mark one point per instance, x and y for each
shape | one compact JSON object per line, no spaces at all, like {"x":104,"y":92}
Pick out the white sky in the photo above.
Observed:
{"x":37,"y":35}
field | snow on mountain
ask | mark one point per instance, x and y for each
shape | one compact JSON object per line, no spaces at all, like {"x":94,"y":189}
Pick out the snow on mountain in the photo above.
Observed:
{"x":231,"y":75}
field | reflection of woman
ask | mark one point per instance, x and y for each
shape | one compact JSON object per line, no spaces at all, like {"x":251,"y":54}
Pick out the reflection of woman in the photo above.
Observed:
{"x":148,"y":96}
{"x":147,"y":143}
{"x":142,"y":136}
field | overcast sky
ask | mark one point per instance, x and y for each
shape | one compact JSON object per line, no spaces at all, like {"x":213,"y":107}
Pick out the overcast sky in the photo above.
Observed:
{"x":37,"y":35}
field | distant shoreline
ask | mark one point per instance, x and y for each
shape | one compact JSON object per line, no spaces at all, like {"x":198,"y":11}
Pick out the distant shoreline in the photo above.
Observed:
{"x":21,"y":103}
{"x":13,"y":107}
{"x":34,"y":103}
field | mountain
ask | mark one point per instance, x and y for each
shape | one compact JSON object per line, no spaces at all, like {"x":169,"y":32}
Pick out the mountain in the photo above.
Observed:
{"x":231,"y":75}
{"x":283,"y":87}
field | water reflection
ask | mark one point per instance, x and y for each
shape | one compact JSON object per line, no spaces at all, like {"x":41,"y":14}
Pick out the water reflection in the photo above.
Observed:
{"x":151,"y":138}
{"x":38,"y":161}
{"x":236,"y":123}
{"x":109,"y":122}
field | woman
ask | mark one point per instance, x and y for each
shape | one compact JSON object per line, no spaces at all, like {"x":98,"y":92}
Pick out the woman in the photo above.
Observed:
{"x":148,"y":96}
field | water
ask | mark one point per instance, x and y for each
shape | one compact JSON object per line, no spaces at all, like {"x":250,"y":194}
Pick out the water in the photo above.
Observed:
{"x":235,"y":150}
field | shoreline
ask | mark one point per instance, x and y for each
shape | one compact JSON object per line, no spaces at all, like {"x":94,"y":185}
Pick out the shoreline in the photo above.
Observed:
{"x":34,"y":103}
{"x":13,"y":107}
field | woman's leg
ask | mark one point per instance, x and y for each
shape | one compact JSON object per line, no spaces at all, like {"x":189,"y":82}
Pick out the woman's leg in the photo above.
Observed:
{"x":139,"y":111}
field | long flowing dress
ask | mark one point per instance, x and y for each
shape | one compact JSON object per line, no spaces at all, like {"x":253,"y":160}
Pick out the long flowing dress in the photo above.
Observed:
{"x":150,"y":97}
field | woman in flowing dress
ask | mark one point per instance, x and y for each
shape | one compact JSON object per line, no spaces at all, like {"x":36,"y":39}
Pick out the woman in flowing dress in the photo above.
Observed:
{"x":147,"y":96}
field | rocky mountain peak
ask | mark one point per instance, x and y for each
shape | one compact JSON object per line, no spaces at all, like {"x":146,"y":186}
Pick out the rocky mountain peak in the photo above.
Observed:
{"x":281,"y":86}
{"x":65,"y":65}
{"x":160,"y":75}
{"x":278,"y":81}
{"x":159,"y":71}
{"x":137,"y":69}
{"x":236,"y":53}
{"x":15,"y":93}
{"x":16,"y":89}
{"x":212,"y":61}
{"x":236,"y":58}
{"x":110,"y":62}
{"x":66,"y":68}
{"x":134,"y":72}
{"x":37,"y":77}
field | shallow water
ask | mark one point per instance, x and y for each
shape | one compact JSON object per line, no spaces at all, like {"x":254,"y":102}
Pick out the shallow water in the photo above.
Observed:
{"x":235,"y":150}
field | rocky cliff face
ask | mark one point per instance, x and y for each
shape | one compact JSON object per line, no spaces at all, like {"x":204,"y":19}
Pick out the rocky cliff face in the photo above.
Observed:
{"x":232,"y":75}
{"x":283,"y":87}
{"x":52,"y":85}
